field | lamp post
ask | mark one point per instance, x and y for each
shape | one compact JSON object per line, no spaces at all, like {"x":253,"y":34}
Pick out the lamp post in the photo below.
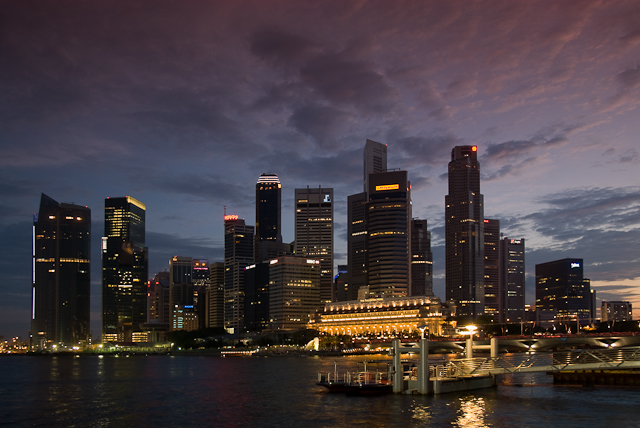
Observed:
{"x":471,"y":329}
{"x":423,"y":368}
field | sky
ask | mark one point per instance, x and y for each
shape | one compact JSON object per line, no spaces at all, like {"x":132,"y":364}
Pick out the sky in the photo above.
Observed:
{"x":183,"y":105}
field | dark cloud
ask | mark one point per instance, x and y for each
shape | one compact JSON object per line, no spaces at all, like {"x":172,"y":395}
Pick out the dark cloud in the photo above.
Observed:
{"x":321,"y":123}
{"x":281,"y":47}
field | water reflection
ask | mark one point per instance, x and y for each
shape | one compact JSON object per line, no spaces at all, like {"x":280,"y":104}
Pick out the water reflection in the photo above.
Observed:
{"x":471,"y":413}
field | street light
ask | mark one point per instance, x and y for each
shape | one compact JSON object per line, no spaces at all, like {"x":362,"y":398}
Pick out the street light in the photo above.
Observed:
{"x":422,"y":328}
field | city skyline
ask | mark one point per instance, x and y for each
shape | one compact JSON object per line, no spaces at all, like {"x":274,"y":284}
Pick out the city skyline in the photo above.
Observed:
{"x":185,"y":108}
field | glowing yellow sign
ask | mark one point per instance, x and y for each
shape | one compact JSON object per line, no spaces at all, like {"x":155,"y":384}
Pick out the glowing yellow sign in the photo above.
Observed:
{"x":387,"y":187}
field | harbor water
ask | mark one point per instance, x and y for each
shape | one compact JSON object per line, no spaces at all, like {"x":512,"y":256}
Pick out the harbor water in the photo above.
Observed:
{"x":202,"y":391}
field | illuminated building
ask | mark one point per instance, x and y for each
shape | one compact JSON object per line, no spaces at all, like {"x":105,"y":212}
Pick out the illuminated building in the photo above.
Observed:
{"x":356,"y":277}
{"x":184,"y":317}
{"x":464,"y":233}
{"x":374,"y":161}
{"x":201,"y":278}
{"x":256,"y":302}
{"x":382,"y":317}
{"x":294,"y":291}
{"x":238,"y":254}
{"x":158,"y":299}
{"x":616,"y":311}
{"x":562,"y":292}
{"x":421,"y":259}
{"x":215,"y":296}
{"x":124,"y":271}
{"x":512,"y":280}
{"x":61,"y":274}
{"x":388,"y":232}
{"x":180,"y":281}
{"x":268,"y":237}
{"x":492,"y":268}
{"x":314,"y":232}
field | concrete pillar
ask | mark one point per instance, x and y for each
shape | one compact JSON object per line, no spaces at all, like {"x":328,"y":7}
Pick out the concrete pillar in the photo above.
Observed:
{"x":397,"y":367}
{"x":470,"y":347}
{"x":423,"y":368}
{"x":494,"y":347}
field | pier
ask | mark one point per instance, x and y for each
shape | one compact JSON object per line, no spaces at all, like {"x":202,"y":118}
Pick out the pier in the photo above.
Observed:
{"x":576,"y":365}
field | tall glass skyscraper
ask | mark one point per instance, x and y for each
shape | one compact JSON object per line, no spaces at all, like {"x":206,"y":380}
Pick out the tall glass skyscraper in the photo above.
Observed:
{"x":268,"y":235}
{"x":389,"y":234}
{"x":238,"y":254}
{"x":124,"y":271}
{"x":314,"y":232}
{"x":61,"y":274}
{"x":464,"y":233}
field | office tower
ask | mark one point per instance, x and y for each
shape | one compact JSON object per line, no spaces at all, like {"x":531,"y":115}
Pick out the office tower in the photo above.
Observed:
{"x":201,"y":279}
{"x":256,"y":302}
{"x":388,"y":228}
{"x":356,"y":243}
{"x":421,"y":259}
{"x":181,"y":289}
{"x":61,"y":274}
{"x":215,"y":296}
{"x":341,"y":284}
{"x":314,"y":233}
{"x":238,"y":254}
{"x":512,"y":280}
{"x":294,"y":291}
{"x":492,"y":268}
{"x":562,"y":292}
{"x":464,"y":233}
{"x":158,"y":299}
{"x":124,"y":271}
{"x":375,"y":160}
{"x":616,"y":311}
{"x":268,"y":220}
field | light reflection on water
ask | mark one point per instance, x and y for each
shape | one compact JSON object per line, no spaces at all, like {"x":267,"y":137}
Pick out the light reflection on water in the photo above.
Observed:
{"x":274,"y":392}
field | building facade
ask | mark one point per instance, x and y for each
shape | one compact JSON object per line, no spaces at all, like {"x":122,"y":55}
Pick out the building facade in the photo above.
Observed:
{"x":124,"y":271}
{"x":512,"y":280}
{"x":562,"y":293}
{"x":492,"y":268}
{"x":616,"y":311}
{"x":421,"y":259}
{"x":464,"y":233}
{"x":268,"y":234}
{"x":388,"y":230}
{"x":294,"y":291}
{"x":238,"y":254}
{"x":215,"y":296}
{"x":61,"y":274}
{"x":314,"y":232}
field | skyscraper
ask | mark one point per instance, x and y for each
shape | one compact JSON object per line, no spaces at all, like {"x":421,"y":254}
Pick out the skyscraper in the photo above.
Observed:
{"x":512,"y":280}
{"x":562,"y":292}
{"x":181,"y":287}
{"x":215,"y":296}
{"x":421,"y":259}
{"x":268,"y":217}
{"x":294,"y":291}
{"x":61,"y":274}
{"x":374,"y":161}
{"x":388,"y":228}
{"x":238,"y":254}
{"x":464,"y":233}
{"x":124,"y":270}
{"x":492,"y":268}
{"x":314,"y":232}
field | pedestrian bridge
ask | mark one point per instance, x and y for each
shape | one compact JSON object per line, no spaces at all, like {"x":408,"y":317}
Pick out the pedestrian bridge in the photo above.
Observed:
{"x":614,"y":353}
{"x":528,"y":362}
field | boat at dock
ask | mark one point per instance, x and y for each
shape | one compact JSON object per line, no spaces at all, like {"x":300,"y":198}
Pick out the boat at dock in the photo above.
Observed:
{"x":363,"y":382}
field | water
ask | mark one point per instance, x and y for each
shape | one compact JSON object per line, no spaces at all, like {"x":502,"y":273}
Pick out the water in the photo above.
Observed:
{"x":187,"y":391}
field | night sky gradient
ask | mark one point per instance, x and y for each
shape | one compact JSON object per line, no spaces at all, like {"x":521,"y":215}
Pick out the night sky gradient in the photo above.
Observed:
{"x":183,"y":105}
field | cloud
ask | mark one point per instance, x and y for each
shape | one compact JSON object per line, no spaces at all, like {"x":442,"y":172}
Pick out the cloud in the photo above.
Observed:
{"x":322,"y":123}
